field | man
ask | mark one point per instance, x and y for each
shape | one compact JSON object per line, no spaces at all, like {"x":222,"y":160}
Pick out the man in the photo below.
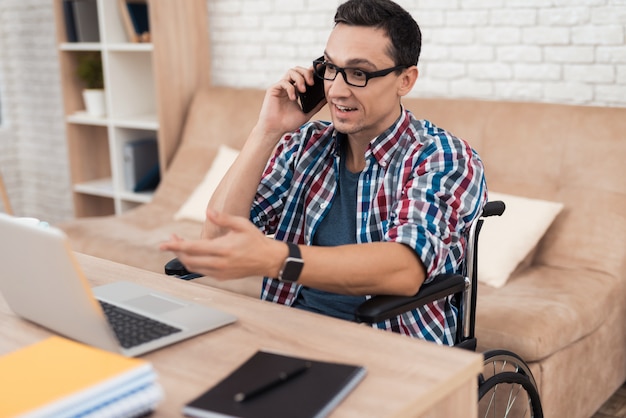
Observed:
{"x":376,"y":202}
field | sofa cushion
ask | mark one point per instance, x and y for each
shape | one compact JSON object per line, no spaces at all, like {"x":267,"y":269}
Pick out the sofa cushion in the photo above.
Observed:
{"x":505,"y":241}
{"x":194,"y":208}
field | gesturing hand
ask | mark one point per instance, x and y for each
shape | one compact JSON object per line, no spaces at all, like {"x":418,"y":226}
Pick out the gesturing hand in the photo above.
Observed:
{"x":241,"y":251}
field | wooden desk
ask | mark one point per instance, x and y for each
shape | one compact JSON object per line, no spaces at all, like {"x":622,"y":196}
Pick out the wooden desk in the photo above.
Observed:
{"x":405,"y":377}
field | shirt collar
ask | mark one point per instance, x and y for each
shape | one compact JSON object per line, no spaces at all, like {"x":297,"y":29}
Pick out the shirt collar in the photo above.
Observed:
{"x":381,"y":147}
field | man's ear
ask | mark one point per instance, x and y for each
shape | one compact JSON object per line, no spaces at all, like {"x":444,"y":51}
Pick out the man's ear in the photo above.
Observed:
{"x":407,"y":80}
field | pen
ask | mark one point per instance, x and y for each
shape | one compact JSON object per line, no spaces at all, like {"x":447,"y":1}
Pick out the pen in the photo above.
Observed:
{"x":281,"y":378}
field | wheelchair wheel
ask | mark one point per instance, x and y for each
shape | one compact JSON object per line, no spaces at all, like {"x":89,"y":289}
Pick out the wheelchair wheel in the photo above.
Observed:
{"x":498,"y":361}
{"x":508,"y":394}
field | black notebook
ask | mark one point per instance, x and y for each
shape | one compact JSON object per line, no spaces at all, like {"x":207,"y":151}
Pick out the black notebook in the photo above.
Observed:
{"x":273,"y":385}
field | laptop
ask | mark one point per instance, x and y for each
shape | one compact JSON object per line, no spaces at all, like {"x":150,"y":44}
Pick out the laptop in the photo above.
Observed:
{"x":42,"y":282}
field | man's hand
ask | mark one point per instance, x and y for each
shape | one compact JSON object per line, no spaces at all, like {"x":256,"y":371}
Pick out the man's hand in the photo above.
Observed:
{"x":241,"y":251}
{"x":281,"y":112}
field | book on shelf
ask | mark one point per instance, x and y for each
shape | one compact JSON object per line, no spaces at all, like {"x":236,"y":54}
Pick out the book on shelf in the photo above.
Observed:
{"x":58,"y":377}
{"x":136,"y":19}
{"x":81,"y":20}
{"x":68,"y":18}
{"x":271,"y":384}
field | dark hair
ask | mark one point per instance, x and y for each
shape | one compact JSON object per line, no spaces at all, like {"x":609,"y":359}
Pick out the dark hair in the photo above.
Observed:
{"x":402,"y":29}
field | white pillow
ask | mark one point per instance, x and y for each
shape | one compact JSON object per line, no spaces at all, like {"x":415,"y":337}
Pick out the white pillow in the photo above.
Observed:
{"x":505,"y":241}
{"x":195,"y":207}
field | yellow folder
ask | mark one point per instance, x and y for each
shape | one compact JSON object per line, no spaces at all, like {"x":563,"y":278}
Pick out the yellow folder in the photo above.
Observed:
{"x":57,"y":375}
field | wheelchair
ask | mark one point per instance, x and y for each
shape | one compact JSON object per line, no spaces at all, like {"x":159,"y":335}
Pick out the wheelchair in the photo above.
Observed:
{"x":506,"y":386}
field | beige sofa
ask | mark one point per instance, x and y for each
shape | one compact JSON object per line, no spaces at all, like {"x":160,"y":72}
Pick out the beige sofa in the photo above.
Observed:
{"x":564,"y":313}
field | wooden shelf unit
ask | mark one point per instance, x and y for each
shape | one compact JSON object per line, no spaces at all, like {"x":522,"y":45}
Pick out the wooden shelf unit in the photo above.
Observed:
{"x":148,"y":89}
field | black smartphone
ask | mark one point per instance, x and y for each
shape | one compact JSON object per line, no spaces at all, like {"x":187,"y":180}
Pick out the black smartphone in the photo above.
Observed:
{"x":313,"y":95}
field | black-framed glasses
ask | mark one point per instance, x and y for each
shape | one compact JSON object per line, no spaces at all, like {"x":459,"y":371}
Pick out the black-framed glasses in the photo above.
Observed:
{"x":352,"y":76}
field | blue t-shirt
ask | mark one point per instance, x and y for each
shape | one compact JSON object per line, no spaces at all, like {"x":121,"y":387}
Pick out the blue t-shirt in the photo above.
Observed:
{"x":337,"y":228}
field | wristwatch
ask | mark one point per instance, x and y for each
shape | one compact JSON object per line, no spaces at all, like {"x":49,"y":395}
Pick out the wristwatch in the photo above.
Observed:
{"x":292,"y":267}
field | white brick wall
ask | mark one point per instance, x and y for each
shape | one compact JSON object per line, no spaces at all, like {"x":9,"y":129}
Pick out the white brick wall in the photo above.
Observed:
{"x":566,"y":51}
{"x":33,"y":154}
{"x":562,"y":51}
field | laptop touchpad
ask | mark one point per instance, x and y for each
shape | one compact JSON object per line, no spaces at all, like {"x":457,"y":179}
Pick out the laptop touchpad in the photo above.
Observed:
{"x":154,"y":304}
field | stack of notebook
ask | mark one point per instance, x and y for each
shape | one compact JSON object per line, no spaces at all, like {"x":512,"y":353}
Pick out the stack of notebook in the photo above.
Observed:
{"x":58,"y":377}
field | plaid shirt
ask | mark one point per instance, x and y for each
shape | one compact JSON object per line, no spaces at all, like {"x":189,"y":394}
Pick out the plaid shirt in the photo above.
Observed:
{"x":421,"y":187}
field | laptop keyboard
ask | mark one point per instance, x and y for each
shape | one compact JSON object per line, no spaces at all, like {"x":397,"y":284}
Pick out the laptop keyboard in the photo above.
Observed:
{"x":133,"y":329}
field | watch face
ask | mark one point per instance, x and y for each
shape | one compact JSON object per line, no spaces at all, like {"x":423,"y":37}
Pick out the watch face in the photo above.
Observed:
{"x":292,"y":269}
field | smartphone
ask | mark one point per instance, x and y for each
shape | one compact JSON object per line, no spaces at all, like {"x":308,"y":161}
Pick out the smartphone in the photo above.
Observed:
{"x":313,"y":95}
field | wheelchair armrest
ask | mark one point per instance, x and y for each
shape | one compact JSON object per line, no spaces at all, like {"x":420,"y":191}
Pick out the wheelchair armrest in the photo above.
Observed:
{"x":494,"y":208}
{"x":175,"y":268}
{"x":382,"y":307}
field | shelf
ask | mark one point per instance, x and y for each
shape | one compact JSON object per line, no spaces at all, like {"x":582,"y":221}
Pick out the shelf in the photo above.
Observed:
{"x":84,"y":118}
{"x":137,"y":122}
{"x":141,"y":197}
{"x":128,"y":47}
{"x":96,"y":46}
{"x":80,"y":46}
{"x":100,"y":187}
{"x":149,"y":86}
{"x":149,"y":122}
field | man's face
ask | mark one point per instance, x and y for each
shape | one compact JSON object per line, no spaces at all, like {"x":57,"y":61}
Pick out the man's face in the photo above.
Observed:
{"x":362,"y":112}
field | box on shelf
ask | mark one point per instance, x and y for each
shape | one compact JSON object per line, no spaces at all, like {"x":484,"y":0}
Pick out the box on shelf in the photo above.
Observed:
{"x":141,"y":165}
